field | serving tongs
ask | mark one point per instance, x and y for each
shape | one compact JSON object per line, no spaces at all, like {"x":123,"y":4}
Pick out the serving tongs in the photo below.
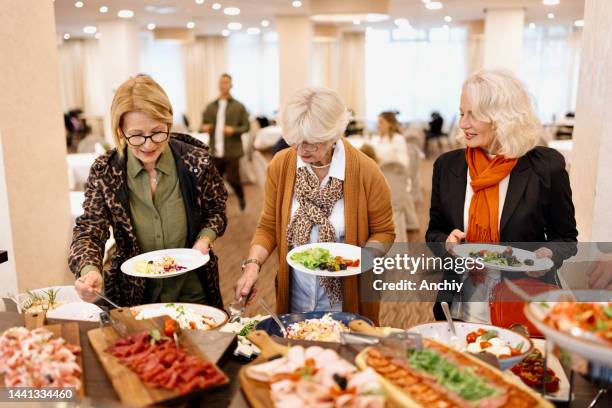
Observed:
{"x":107,"y":321}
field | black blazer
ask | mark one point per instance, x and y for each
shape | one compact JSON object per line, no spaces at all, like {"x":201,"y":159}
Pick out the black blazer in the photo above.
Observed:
{"x":538,"y":207}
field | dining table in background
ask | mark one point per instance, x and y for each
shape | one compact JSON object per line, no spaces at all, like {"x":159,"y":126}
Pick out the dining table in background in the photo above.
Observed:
{"x":78,"y":169}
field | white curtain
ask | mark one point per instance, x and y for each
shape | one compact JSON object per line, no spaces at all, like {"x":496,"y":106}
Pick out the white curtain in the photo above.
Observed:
{"x":352,"y":71}
{"x":204,"y":61}
{"x":415,"y":72}
{"x":72,"y":81}
{"x":326,"y":63}
{"x":475,"y":53}
{"x":551,"y":57}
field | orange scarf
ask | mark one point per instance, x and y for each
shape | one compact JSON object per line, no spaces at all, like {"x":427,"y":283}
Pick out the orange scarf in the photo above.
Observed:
{"x":485,"y":174}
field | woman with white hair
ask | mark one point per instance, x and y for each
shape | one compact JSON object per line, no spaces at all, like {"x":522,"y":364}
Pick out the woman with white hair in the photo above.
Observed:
{"x":502,"y":187}
{"x":320,"y":190}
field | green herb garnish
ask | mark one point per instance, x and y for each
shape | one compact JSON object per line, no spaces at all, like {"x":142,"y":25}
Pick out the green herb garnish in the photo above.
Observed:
{"x":248,"y":328}
{"x":608,"y":311}
{"x":488,"y":335}
{"x":519,"y":346}
{"x":156,"y":337}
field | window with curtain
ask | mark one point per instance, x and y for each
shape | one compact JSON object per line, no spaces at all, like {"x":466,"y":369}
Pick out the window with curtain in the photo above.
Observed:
{"x":415,"y":72}
{"x":551,"y":57}
{"x":253,"y":64}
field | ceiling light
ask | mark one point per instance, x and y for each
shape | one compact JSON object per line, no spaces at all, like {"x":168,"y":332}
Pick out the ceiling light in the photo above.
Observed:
{"x":161,"y":9}
{"x":550,"y":2}
{"x":90,"y":29}
{"x":402,"y":22}
{"x":448,"y":19}
{"x":265,"y":23}
{"x":125,"y":13}
{"x":151,"y":26}
{"x":297,"y":3}
{"x":231,"y":11}
{"x":78,"y":4}
{"x":433,"y":5}
{"x":550,"y":16}
{"x":216,"y":6}
{"x":426,"y":1}
{"x":253,"y":30}
{"x":103,"y":9}
{"x":66,"y":36}
{"x":225,"y":33}
{"x":532,"y":26}
{"x":234,"y":26}
{"x":199,"y":1}
{"x":356,"y":21}
{"x":190,"y":24}
{"x":579,"y":23}
{"x":445,"y":27}
{"x":98,"y":36}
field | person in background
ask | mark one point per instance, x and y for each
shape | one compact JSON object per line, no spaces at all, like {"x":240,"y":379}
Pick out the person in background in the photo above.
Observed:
{"x":157,"y":190}
{"x":225,"y":120}
{"x":390,"y":145}
{"x":320,"y":190}
{"x":434,"y":133}
{"x":369,"y":151}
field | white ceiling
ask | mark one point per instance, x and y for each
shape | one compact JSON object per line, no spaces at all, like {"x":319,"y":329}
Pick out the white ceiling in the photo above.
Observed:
{"x":70,"y":19}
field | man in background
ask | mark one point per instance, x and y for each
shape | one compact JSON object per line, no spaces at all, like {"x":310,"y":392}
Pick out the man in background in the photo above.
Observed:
{"x":225,"y":120}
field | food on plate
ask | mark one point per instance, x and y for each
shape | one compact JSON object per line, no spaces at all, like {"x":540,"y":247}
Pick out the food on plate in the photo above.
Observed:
{"x":242,"y":327}
{"x":504,"y":258}
{"x":324,"y":329}
{"x":36,"y":359}
{"x":159,"y":267}
{"x":41,"y":301}
{"x":595,"y":318}
{"x":321,"y":258}
{"x":186,"y":317}
{"x":531,"y":372}
{"x":489,"y":342}
{"x":318,"y":377}
{"x":160,"y":363}
{"x":438,"y":376}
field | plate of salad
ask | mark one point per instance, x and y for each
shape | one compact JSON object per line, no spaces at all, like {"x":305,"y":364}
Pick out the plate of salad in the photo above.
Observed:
{"x":504,"y":258}
{"x":326,"y":259}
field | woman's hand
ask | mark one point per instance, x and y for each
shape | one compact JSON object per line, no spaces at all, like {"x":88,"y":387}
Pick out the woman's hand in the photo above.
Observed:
{"x":454,"y":238}
{"x":89,"y":285}
{"x":246,"y":283}
{"x":540,"y":253}
{"x":599,"y":275}
{"x":202,"y":245}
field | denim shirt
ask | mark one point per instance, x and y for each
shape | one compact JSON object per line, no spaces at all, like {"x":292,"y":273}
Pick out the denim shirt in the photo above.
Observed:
{"x":307,"y":293}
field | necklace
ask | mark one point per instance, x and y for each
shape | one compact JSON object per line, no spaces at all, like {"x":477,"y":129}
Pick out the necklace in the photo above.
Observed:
{"x":155,"y":177}
{"x":320,"y":167}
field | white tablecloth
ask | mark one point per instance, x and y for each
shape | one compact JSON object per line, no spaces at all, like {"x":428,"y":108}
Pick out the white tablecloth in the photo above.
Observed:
{"x":78,"y":169}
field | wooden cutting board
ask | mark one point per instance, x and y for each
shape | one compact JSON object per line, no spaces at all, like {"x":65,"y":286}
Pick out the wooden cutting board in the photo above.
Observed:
{"x":67,"y":331}
{"x":131,"y":390}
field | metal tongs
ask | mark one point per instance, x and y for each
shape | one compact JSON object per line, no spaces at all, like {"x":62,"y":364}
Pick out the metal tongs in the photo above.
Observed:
{"x":107,"y":320}
{"x":397,"y":341}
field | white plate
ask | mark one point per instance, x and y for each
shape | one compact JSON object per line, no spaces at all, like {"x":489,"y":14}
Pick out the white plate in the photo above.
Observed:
{"x":161,"y":309}
{"x":589,"y":350}
{"x":553,"y":363}
{"x":539,"y":264}
{"x":189,"y":258}
{"x":439,"y":331}
{"x":82,"y":311}
{"x":344,"y":250}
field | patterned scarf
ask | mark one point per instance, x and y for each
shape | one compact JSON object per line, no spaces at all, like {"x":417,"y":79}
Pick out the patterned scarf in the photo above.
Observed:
{"x":315,"y":207}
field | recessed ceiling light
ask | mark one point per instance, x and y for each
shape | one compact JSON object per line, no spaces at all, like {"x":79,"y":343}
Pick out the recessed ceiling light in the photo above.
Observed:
{"x":151,"y":26}
{"x":199,"y":1}
{"x":216,"y":6}
{"x":550,"y":2}
{"x":125,"y":13}
{"x":225,"y":33}
{"x":448,"y":19}
{"x":90,"y":29}
{"x":433,"y":5}
{"x":550,"y":16}
{"x":66,"y":36}
{"x":426,"y":1}
{"x":297,"y":3}
{"x":356,"y":21}
{"x":265,"y":23}
{"x":234,"y":26}
{"x":231,"y":11}
{"x":253,"y":30}
{"x":190,"y":24}
{"x":78,"y":4}
{"x":401,"y":22}
{"x":532,"y":26}
{"x":103,"y":9}
{"x":579,"y":23}
{"x":98,"y":36}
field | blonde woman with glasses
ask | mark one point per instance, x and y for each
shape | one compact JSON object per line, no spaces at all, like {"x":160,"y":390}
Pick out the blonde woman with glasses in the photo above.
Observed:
{"x":156,"y":190}
{"x":320,"y":190}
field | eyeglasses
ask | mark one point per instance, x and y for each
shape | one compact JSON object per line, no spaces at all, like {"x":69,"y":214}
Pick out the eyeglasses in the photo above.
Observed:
{"x":139,"y":140}
{"x":308,"y":147}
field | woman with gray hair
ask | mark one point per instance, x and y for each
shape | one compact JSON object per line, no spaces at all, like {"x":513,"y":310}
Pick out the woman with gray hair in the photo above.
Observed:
{"x":320,"y":190}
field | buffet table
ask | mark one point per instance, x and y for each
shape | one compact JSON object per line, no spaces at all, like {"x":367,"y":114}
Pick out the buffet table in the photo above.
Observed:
{"x":99,"y":388}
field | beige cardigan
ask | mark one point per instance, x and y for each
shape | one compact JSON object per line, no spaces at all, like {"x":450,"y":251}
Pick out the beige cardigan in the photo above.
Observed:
{"x":367,"y":216}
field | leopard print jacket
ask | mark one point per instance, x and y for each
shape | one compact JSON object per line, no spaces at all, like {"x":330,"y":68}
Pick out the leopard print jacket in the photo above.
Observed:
{"x":107,"y":205}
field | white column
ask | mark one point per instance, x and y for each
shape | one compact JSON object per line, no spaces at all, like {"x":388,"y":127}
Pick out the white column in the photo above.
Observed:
{"x":591,"y":169}
{"x":35,"y":220}
{"x":295,"y":35}
{"x":503,"y":43}
{"x":120,"y":56}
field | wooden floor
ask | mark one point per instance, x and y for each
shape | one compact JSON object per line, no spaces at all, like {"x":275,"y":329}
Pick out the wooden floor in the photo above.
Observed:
{"x":234,"y":246}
